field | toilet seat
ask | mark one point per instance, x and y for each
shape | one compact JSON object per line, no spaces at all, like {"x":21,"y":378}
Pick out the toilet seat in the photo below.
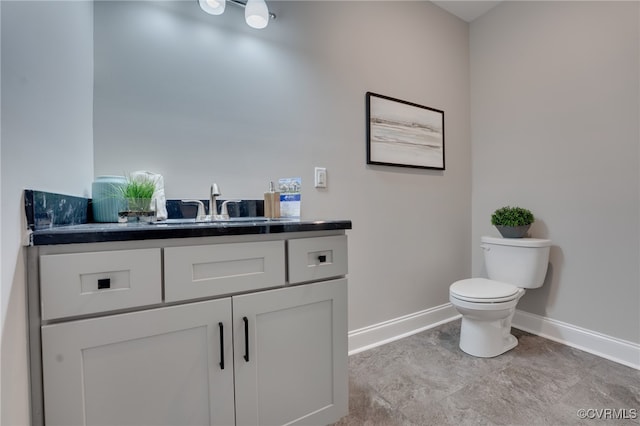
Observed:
{"x":482,"y":290}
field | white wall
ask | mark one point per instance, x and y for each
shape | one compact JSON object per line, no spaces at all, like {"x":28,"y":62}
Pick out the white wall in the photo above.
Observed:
{"x":47,"y":91}
{"x":204,"y":99}
{"x":555,"y":109}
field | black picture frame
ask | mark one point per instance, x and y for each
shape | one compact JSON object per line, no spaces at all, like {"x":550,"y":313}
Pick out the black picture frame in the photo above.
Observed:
{"x":404,"y":134}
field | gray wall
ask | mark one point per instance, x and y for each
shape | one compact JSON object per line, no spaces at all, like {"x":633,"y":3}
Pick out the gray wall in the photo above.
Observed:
{"x":47,"y":97}
{"x":411,"y":235}
{"x":568,"y":107}
{"x":555,"y":112}
{"x":200,"y":98}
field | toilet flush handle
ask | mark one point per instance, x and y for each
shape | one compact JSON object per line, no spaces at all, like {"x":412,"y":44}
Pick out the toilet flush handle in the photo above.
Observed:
{"x":485,"y":247}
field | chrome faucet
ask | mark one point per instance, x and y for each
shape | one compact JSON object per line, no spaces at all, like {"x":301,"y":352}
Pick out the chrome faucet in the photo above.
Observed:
{"x":224,"y":211}
{"x":213,"y":210}
{"x":200,"y":216}
{"x":215,"y":192}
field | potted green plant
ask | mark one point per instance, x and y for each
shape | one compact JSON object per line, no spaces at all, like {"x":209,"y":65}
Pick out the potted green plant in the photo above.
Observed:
{"x":138,"y":193}
{"x":512,"y":222}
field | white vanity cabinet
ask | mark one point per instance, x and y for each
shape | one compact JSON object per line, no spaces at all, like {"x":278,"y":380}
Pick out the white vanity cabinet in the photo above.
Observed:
{"x":152,"y":367}
{"x":232,"y":340}
{"x":290,"y":355}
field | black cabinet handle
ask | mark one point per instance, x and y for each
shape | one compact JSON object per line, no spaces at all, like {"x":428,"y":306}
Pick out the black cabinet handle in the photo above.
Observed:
{"x":246,"y":338}
{"x":221,"y":345}
{"x":104,"y":283}
{"x":322,"y":258}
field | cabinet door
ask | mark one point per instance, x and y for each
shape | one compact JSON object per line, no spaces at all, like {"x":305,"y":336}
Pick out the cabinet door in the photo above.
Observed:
{"x":291,"y":355}
{"x":155,"y":367}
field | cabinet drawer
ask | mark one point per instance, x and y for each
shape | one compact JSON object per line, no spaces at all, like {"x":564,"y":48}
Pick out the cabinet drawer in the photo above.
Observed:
{"x":203,"y":271}
{"x":317,"y":258}
{"x":86,"y":283}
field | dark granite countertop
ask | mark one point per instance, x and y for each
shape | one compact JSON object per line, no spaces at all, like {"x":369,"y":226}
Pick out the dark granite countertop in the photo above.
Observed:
{"x":105,"y":232}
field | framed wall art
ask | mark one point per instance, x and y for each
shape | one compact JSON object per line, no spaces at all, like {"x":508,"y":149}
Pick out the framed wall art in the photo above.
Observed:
{"x":404,"y":134}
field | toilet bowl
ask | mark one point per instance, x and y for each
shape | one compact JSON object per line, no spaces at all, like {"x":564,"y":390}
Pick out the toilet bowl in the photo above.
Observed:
{"x":487,"y":305}
{"x":485,"y":330}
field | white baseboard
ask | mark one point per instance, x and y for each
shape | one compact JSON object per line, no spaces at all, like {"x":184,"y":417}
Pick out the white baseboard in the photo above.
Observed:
{"x":611,"y":348}
{"x":397,"y":328}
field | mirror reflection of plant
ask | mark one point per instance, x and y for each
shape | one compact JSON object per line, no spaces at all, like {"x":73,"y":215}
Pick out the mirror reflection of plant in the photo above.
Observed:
{"x":512,"y":216}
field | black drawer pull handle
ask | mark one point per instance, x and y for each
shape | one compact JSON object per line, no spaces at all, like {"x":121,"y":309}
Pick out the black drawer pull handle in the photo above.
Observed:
{"x":221,"y":345}
{"x":104,"y":283}
{"x":246,"y":338}
{"x":322,"y":258}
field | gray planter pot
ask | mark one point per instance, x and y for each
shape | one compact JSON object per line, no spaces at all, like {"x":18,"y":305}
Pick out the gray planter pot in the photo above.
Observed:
{"x":513,"y":231}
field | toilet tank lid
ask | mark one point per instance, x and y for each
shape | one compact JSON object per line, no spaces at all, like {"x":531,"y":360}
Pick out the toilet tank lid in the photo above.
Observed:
{"x":517,"y":242}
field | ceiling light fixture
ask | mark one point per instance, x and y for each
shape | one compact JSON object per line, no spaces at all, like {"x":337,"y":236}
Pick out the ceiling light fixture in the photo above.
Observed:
{"x":256,"y":12}
{"x":212,"y":7}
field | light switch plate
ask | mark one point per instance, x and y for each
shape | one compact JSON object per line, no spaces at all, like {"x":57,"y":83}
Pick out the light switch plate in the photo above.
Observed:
{"x":320,"y":177}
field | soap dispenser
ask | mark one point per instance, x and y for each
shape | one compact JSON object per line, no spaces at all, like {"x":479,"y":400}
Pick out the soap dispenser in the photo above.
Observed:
{"x":271,"y":202}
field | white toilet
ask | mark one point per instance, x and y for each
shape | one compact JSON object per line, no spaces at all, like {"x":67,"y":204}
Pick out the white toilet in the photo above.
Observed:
{"x":487,"y":305}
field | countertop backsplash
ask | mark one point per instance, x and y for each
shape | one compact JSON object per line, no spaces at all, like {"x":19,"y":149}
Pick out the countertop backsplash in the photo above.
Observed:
{"x":46,"y":210}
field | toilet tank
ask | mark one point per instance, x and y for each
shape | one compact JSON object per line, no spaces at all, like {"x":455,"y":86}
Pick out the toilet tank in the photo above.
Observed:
{"x":519,"y":261}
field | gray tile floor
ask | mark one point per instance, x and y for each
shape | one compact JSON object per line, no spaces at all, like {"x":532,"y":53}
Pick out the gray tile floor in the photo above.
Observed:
{"x":425,"y":379}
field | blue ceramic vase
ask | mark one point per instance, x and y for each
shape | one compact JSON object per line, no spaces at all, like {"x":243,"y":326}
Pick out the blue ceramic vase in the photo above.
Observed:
{"x":107,"y":200}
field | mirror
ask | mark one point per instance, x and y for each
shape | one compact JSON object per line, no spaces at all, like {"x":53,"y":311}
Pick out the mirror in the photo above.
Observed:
{"x":195,"y":97}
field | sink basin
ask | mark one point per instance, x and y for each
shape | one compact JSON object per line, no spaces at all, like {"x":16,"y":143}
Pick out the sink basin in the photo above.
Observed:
{"x":244,"y":219}
{"x":174,"y":221}
{"x":185,"y":221}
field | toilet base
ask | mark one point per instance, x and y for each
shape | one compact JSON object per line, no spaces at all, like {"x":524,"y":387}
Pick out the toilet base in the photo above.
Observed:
{"x":486,"y":339}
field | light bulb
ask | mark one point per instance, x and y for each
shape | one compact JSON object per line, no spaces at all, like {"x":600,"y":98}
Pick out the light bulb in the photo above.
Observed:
{"x":256,"y":14}
{"x":213,"y":7}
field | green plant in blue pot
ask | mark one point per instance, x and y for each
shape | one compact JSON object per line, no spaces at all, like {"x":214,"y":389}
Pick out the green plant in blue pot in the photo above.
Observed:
{"x":512,"y":222}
